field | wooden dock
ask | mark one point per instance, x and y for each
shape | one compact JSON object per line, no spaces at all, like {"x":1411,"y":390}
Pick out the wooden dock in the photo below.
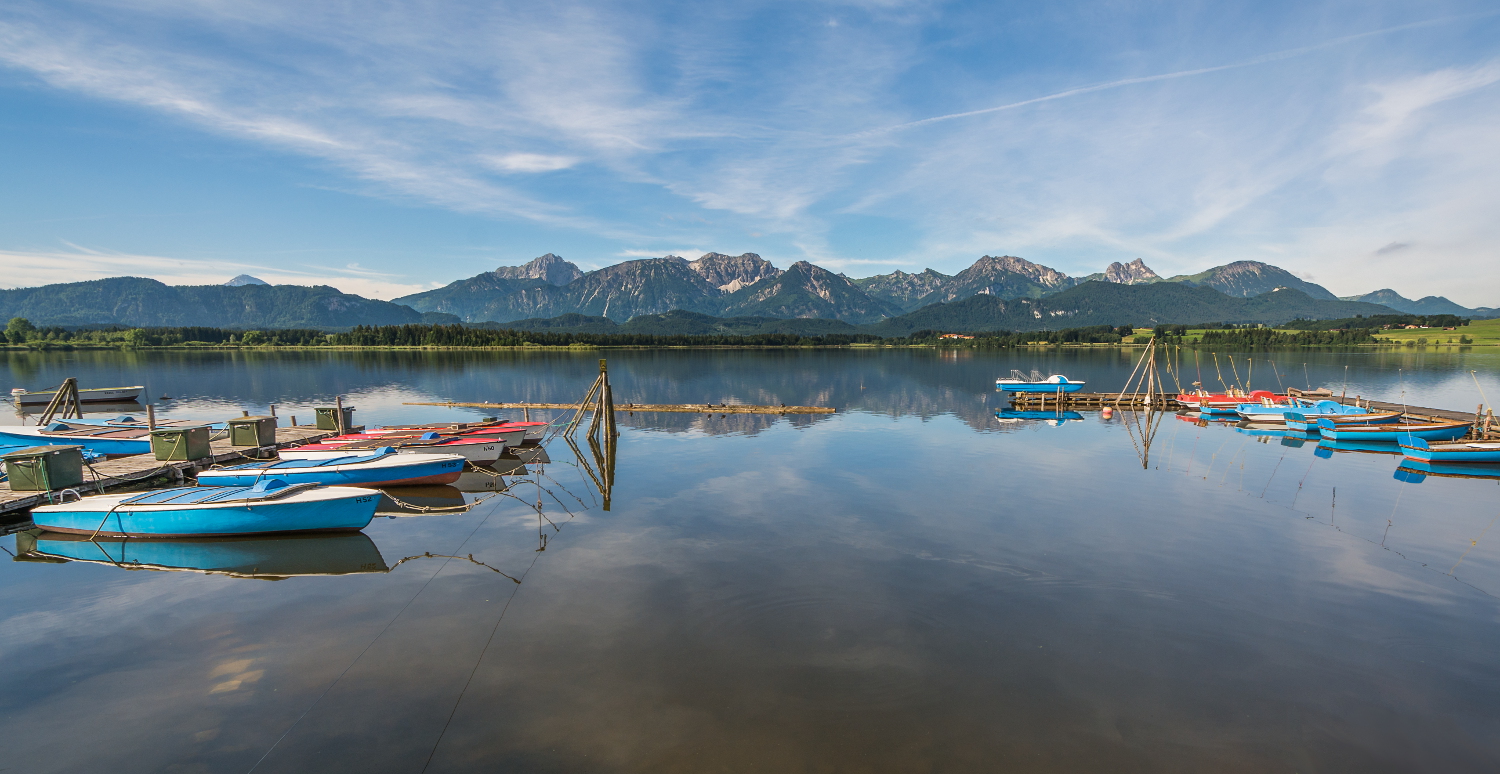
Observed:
{"x":1085,"y":401}
{"x":145,"y":469}
{"x":674,"y":408}
{"x":1041,"y":401}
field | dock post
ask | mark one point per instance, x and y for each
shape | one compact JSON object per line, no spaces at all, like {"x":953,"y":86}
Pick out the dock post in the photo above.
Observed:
{"x":608,"y":401}
{"x":150,"y":416}
{"x":338,"y":407}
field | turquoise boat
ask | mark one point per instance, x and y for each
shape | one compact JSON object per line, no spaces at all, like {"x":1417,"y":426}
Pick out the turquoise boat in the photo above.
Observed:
{"x":379,"y":467}
{"x":1019,"y":382}
{"x":114,"y":441}
{"x":261,"y":557}
{"x":1457,"y":451}
{"x":1393,"y":433}
{"x":270,"y":506}
{"x":1307,"y":419}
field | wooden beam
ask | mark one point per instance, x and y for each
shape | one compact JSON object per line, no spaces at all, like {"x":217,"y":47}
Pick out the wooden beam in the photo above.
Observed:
{"x":685,"y":408}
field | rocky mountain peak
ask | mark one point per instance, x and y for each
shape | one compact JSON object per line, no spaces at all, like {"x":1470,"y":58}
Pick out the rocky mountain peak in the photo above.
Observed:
{"x":1042,"y":275}
{"x":1133,"y":273}
{"x":548,"y":267}
{"x":245,"y":279}
{"x":729,"y":273}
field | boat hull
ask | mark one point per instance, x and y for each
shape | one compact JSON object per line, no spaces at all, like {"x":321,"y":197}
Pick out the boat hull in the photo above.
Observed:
{"x":345,"y":510}
{"x":1309,"y":422}
{"x":1394,"y":433}
{"x":1452,"y":452}
{"x":1039,"y":387}
{"x":476,"y":453}
{"x":96,"y":395}
{"x":29,"y":436}
{"x":390,"y":470}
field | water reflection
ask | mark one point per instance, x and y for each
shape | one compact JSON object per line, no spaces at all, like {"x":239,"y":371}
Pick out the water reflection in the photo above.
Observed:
{"x":270,"y":557}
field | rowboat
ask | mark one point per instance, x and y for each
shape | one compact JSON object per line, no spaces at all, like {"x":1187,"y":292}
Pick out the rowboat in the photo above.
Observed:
{"x":1019,"y":382}
{"x":102,"y":440}
{"x":270,"y":506}
{"x":1308,"y":420}
{"x":94,"y":395}
{"x":260,"y":557}
{"x":1457,"y":451}
{"x":381,"y":467}
{"x":534,"y":431}
{"x":1231,"y":399}
{"x":1393,"y":433}
{"x":479,"y":451}
{"x":1273,"y":411}
{"x":510,"y":436}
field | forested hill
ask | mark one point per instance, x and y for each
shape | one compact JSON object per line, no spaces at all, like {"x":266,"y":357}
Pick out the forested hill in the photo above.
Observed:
{"x":136,"y":301}
{"x":1108,"y":303}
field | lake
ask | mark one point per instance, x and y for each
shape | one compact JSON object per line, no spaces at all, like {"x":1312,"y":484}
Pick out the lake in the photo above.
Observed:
{"x":910,"y":584}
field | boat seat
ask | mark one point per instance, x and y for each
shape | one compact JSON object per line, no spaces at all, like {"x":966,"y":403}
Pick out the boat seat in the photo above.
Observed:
{"x":268,"y":489}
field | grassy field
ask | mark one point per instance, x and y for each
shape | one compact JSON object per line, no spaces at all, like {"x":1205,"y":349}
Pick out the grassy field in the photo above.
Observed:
{"x":1483,"y":332}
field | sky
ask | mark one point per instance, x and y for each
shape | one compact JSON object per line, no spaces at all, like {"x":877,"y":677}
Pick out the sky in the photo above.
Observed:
{"x":389,"y":147}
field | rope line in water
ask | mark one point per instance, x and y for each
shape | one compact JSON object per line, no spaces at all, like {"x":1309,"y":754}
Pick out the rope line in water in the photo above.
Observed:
{"x":367,"y":647}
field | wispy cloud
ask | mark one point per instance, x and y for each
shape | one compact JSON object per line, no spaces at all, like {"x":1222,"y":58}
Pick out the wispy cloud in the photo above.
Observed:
{"x":1072,"y":135}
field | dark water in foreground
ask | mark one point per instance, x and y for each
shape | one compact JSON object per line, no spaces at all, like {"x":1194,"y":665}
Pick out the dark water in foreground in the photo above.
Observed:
{"x":908,"y":585}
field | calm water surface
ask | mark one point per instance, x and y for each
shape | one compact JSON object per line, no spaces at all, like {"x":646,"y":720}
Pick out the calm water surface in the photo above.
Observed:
{"x":910,"y":584}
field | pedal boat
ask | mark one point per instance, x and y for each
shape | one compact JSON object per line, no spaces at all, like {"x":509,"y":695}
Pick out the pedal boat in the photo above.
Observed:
{"x":1056,"y":383}
{"x":382,"y":467}
{"x":270,"y":506}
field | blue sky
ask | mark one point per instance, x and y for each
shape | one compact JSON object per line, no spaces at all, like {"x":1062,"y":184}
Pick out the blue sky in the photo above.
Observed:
{"x":388,"y":147}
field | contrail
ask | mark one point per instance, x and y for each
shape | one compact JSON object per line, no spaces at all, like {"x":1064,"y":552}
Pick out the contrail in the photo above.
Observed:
{"x":1272,"y":57}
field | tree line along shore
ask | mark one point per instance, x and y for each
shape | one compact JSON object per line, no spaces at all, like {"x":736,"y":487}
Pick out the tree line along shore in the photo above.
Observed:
{"x":1385,"y":330}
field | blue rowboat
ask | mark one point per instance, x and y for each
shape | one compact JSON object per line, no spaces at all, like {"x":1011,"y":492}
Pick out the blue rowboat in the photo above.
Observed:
{"x":267,"y":507}
{"x":264,"y":557}
{"x":1019,"y":382}
{"x":1393,"y":433}
{"x":114,"y":441}
{"x":1458,"y":451}
{"x":1308,"y":420}
{"x":381,"y":467}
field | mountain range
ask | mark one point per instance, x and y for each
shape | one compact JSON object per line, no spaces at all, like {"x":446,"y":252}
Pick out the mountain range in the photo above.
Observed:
{"x":995,"y":293}
{"x":748,"y":285}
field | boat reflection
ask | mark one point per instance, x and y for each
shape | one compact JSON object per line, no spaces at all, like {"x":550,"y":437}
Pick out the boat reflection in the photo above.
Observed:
{"x":421,"y":500}
{"x":264,"y":557}
{"x":1055,"y":418}
{"x":1414,"y":471}
{"x":1326,"y":448}
{"x":1295,"y":439}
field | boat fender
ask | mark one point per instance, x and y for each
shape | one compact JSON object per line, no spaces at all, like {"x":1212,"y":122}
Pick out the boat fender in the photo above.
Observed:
{"x":55,"y":426}
{"x":268,"y":485}
{"x":430,"y":436}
